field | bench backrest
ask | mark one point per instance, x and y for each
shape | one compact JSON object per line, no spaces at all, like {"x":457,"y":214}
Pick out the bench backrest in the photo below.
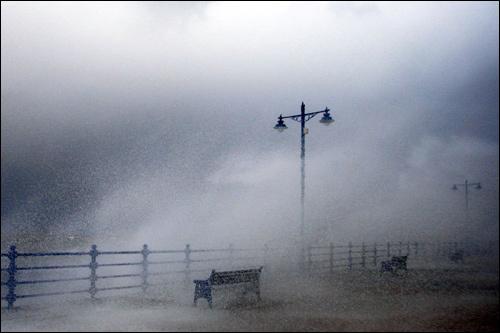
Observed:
{"x":399,"y":260}
{"x":230,"y":277}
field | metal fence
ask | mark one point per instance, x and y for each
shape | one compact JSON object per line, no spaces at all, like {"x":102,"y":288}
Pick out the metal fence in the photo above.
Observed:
{"x":188,"y":261}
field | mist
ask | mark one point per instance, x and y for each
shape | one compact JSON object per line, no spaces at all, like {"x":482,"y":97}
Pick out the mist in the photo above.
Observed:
{"x":152,"y":122}
{"x":143,"y":127}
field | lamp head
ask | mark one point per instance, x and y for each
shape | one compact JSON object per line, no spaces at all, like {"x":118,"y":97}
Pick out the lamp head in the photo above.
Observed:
{"x":478,"y":187}
{"x":327,"y":118}
{"x":454,"y":188}
{"x":280,"y":126}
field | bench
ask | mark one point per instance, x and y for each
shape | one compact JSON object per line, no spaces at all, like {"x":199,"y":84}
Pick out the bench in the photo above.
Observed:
{"x":396,"y":263}
{"x":457,"y":256}
{"x":203,"y":288}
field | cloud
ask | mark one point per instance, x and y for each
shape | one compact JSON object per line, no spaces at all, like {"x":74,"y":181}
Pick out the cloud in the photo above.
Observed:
{"x":134,"y":116}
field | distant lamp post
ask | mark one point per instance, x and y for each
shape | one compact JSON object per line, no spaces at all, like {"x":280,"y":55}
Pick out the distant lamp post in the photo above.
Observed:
{"x":466,"y":185}
{"x":303,"y":117}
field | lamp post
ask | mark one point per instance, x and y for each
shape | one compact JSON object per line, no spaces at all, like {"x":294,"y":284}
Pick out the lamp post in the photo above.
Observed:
{"x":303,"y":117}
{"x":466,"y":186}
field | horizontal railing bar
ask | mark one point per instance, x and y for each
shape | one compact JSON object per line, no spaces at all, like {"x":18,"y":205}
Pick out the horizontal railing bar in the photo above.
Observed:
{"x":167,"y":262}
{"x":210,"y":260}
{"x":53,"y":280}
{"x":53,"y":293}
{"x":281,"y":249}
{"x":119,"y":252}
{"x":121,"y":287}
{"x":319,"y":254}
{"x":46,"y":254}
{"x":180,"y":271}
{"x":165,"y":273}
{"x":336,"y":246}
{"x":117,"y":276}
{"x":211,"y":250}
{"x":168,"y":251}
{"x":157,"y":284}
{"x":248,"y":258}
{"x":50,"y":267}
{"x":121,"y":264}
{"x":336,"y":253}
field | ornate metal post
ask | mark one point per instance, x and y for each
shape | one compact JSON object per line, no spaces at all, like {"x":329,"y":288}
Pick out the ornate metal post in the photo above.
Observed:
{"x":11,"y":282}
{"x":145,"y":253}
{"x":93,"y":267}
{"x":187,"y":260}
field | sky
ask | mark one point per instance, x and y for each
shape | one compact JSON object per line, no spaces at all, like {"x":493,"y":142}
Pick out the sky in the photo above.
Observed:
{"x":125,"y":123}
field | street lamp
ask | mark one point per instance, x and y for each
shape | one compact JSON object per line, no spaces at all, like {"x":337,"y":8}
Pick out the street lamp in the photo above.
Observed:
{"x":467,"y":185}
{"x":303,"y":117}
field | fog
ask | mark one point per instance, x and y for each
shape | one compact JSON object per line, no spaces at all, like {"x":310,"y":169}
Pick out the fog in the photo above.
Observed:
{"x":131,"y":123}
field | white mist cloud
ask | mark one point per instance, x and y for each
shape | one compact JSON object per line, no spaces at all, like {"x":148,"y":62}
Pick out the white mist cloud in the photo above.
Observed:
{"x":156,"y":119}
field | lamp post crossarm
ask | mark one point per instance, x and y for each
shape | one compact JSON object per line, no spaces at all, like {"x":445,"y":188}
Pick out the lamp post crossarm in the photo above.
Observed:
{"x":468,"y":184}
{"x":308,"y":116}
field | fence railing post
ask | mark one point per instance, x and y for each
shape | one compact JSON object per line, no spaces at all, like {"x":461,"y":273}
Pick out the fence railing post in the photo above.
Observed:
{"x":145,"y":253}
{"x":309,"y":257}
{"x":302,"y":258}
{"x":400,"y":248}
{"x":363,"y":255}
{"x":408,"y":248}
{"x":93,"y":267}
{"x":455,"y":247}
{"x":375,"y":254}
{"x":266,"y":260}
{"x":416,"y":249}
{"x":187,"y":261}
{"x":388,"y":249}
{"x":231,"y":254}
{"x":349,"y":258}
{"x":11,"y":282}
{"x":331,"y":257}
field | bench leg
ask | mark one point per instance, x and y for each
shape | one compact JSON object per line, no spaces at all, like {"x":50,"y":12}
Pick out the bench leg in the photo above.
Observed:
{"x":196,"y":293}
{"x":203,"y":290}
{"x":257,"y":290}
{"x":208,"y":296}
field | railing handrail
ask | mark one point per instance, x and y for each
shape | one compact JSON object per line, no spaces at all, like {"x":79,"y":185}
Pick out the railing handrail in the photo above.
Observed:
{"x":81,"y":253}
{"x":351,"y":255}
